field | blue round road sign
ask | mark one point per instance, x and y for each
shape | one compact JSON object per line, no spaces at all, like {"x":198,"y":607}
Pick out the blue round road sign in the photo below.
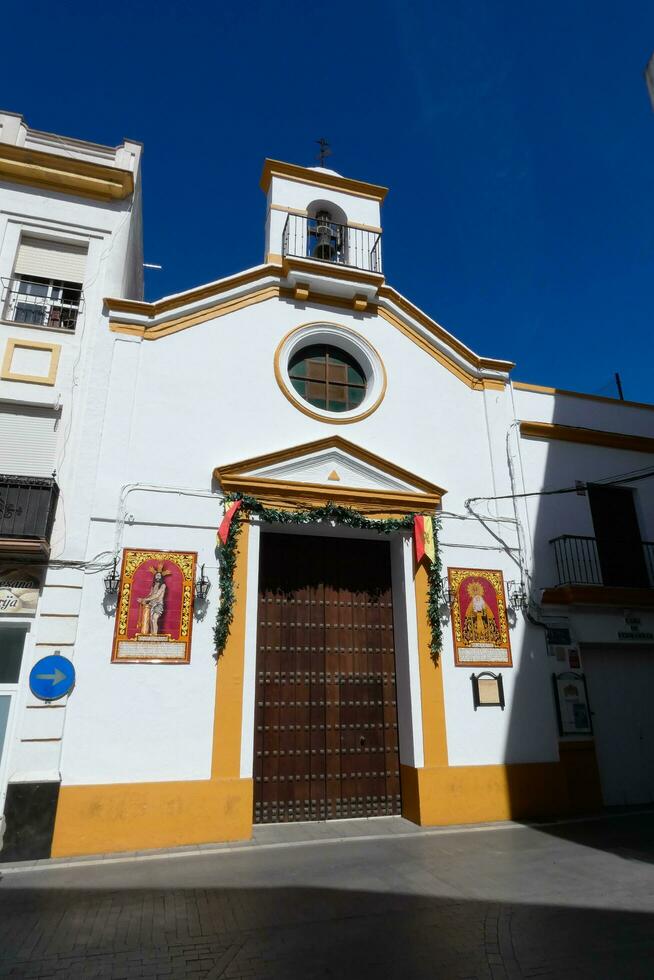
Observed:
{"x":52,"y":678}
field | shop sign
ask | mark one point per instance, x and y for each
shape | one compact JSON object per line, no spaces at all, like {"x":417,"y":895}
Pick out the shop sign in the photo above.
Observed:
{"x":19,"y":590}
{"x":634,"y":632}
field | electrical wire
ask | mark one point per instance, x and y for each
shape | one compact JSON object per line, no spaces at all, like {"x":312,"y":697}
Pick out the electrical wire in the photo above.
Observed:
{"x":605,"y":481}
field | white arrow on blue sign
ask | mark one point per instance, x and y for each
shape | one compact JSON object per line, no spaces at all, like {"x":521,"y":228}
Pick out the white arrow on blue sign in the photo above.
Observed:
{"x":52,"y":678}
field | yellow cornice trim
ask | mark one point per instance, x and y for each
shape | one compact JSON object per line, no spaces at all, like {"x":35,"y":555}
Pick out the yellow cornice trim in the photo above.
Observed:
{"x":544,"y":390}
{"x":190,"y":320}
{"x":152,"y":310}
{"x":311,"y":494}
{"x":139,"y":307}
{"x":6,"y":373}
{"x":303,"y":406}
{"x":321,"y":300}
{"x":302,"y":213}
{"x":57,"y":173}
{"x":330,"y":270}
{"x":304,"y":175}
{"x":469,"y":379}
{"x":483,"y":363}
{"x":234,"y":471}
{"x":590,"y":437}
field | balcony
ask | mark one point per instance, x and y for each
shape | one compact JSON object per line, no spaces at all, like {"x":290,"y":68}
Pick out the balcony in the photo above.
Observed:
{"x":325,"y":240}
{"x":38,"y":302}
{"x":27,"y":512}
{"x":584,"y":575}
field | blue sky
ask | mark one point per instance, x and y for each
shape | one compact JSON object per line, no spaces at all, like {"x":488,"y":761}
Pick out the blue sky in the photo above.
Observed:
{"x":517,"y":140}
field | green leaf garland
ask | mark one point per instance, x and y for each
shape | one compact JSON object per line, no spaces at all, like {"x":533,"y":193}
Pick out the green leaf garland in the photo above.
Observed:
{"x":347,"y":516}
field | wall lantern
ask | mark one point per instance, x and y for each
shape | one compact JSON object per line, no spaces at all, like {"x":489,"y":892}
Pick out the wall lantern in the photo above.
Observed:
{"x":518,"y":598}
{"x":202,"y":586}
{"x":112,"y":580}
{"x":447,"y":595}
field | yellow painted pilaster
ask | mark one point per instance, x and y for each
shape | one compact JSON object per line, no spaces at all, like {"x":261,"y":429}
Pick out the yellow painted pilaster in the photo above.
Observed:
{"x":226,"y":759}
{"x":434,"y":731}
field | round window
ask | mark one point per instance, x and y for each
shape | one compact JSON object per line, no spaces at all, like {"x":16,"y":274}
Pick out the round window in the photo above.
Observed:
{"x":327,"y":378}
{"x":330,"y":372}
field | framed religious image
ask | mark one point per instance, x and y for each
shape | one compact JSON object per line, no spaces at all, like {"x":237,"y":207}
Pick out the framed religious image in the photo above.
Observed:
{"x":571,"y":698}
{"x":487,"y":690}
{"x":479,"y":625}
{"x":155,"y":607}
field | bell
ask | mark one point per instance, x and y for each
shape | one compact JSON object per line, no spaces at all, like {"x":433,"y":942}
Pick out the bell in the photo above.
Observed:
{"x":325,"y":232}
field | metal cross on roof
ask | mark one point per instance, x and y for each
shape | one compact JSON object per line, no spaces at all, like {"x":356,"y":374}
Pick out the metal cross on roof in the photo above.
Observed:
{"x":325,"y":151}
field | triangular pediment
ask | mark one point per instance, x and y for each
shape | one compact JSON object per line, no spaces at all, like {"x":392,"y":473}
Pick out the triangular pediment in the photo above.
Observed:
{"x":330,"y":469}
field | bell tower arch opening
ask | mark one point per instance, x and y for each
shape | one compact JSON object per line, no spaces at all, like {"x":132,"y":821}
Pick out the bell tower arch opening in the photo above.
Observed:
{"x":327,"y":237}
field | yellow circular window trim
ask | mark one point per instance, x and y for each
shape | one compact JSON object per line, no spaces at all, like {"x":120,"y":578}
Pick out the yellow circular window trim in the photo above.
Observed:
{"x":298,"y":402}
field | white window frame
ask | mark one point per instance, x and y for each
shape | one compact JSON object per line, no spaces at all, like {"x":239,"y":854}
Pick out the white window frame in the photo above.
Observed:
{"x":13,"y":690}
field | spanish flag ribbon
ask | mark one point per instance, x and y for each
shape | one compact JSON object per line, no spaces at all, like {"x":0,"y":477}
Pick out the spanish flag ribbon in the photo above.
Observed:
{"x":423,"y":537}
{"x":226,"y":523}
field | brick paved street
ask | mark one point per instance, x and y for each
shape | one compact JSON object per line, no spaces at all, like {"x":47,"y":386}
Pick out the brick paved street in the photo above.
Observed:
{"x":566,"y":902}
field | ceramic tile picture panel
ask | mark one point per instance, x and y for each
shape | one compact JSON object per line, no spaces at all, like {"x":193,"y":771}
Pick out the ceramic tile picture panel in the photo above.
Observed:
{"x":479,"y":625}
{"x":155,"y":607}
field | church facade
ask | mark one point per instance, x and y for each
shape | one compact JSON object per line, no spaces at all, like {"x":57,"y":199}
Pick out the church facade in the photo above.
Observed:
{"x":381,"y":626}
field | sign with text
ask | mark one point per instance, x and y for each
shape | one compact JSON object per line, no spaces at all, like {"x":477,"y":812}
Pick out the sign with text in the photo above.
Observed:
{"x":19,"y":590}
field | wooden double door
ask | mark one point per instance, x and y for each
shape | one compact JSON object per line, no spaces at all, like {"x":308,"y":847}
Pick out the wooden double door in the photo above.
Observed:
{"x":326,"y":734}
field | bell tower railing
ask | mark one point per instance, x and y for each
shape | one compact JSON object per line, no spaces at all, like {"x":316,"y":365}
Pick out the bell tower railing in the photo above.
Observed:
{"x":328,"y":241}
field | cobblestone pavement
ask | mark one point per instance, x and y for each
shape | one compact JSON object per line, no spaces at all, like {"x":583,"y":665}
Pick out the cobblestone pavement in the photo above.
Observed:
{"x":565,"y":902}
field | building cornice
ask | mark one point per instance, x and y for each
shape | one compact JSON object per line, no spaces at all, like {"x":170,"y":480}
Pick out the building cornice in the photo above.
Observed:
{"x":237,"y":477}
{"x":544,"y":390}
{"x":319,"y":178}
{"x":406,"y":306}
{"x":589,"y":437}
{"x":152,"y":321}
{"x":66,"y":175}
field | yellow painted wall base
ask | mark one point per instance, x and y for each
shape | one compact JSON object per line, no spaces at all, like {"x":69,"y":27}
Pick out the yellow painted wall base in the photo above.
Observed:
{"x":476,"y":794}
{"x":137,"y":816}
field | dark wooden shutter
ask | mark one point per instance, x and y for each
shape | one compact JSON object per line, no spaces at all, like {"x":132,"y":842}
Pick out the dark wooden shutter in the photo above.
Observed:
{"x":619,"y":544}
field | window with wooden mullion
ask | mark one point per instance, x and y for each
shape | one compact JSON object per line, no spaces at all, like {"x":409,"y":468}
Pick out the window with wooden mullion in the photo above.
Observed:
{"x":327,"y":378}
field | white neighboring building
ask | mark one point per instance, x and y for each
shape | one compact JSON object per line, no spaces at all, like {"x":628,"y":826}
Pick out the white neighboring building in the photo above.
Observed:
{"x":303,"y":381}
{"x":70,"y":233}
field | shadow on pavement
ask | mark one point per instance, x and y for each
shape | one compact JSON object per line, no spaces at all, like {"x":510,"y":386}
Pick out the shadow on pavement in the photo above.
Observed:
{"x":311,"y":932}
{"x":630,"y":836}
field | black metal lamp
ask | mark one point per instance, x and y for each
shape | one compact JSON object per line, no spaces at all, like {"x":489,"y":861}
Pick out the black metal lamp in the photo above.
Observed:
{"x":446,"y":593}
{"x":112,"y":580}
{"x":202,"y":586}
{"x":518,"y":598}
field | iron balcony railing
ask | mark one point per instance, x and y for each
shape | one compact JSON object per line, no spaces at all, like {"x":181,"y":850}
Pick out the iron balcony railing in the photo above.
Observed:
{"x":27,"y":507}
{"x":42,"y":302}
{"x":578,"y":563}
{"x":329,"y":241}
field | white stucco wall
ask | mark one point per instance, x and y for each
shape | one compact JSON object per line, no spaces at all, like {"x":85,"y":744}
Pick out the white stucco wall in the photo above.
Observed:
{"x":203,"y":397}
{"x":112,"y":233}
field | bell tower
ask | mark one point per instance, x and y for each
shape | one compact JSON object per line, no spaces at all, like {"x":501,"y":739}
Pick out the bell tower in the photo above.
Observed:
{"x":315,"y":213}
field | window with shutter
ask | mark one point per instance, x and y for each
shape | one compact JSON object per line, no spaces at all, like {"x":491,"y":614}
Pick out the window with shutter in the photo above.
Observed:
{"x":46,"y":287}
{"x":28,"y":440}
